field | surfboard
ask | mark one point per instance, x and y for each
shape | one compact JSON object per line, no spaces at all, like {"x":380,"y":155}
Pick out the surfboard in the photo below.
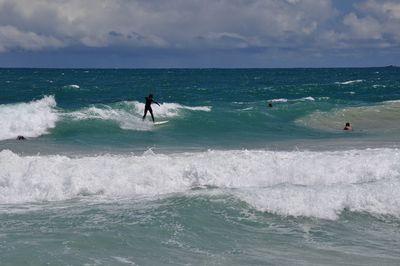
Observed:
{"x":160,"y":122}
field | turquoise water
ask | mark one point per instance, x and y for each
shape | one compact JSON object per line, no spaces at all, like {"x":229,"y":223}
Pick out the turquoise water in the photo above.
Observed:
{"x":227,"y":181}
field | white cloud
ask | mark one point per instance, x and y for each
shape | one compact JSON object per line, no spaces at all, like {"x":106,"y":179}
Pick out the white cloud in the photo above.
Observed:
{"x":363,"y":28}
{"x":375,"y":21}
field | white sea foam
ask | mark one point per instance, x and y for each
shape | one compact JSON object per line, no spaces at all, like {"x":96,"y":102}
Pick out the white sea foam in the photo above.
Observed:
{"x":378,"y":86}
{"x":349,"y":82}
{"x":129,"y":114}
{"x":327,"y":202}
{"x":28,"y":119}
{"x":72,"y":86}
{"x":318,"y":184}
{"x":280,"y":100}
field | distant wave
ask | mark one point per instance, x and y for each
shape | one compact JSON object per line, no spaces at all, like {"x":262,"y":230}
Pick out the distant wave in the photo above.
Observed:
{"x":349,"y":82}
{"x":247,"y":109}
{"x":280,"y":100}
{"x":298,"y":183}
{"x":378,"y":86}
{"x":309,"y":98}
{"x":284,"y":100}
{"x":72,"y":86}
{"x":28,"y":119}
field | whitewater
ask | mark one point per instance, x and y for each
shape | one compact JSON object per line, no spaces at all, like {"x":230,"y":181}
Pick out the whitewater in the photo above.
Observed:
{"x":229,"y":180}
{"x":319,"y":184}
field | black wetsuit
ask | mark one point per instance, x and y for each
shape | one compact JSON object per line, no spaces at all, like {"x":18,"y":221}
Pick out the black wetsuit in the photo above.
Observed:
{"x":147,"y":107}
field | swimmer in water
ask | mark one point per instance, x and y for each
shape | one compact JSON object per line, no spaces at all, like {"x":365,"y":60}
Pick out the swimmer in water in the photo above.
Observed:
{"x":348,"y":127}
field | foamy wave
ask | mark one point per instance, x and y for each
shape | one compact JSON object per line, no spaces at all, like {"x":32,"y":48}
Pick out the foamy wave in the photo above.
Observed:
{"x":284,"y":100}
{"x":349,"y":82}
{"x":318,"y":184}
{"x":28,"y":119}
{"x":327,"y":202}
{"x":129,"y":114}
{"x":280,"y":100}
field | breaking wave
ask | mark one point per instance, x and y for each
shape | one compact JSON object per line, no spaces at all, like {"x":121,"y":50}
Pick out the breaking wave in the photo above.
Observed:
{"x":299,"y":183}
{"x":31,"y":119}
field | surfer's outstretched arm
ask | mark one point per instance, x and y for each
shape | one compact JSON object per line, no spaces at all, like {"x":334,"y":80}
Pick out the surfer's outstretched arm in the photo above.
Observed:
{"x":156,"y":103}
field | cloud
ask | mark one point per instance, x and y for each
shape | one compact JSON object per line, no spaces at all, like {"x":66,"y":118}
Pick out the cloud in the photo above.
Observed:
{"x":177,"y":24}
{"x":363,"y":27}
{"x":374,"y":24}
{"x":13,"y":38}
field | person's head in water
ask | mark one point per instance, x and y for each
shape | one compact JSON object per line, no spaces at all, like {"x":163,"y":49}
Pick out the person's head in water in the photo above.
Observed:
{"x":347,"y":126}
{"x":269,"y":104}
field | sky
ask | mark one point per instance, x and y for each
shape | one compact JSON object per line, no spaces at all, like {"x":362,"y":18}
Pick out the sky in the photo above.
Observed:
{"x":199,"y":33}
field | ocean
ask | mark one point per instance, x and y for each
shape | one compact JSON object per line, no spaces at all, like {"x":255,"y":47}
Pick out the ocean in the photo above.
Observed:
{"x":227,"y":180}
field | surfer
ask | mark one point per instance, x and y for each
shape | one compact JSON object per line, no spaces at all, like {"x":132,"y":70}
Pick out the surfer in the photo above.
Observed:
{"x":147,"y":107}
{"x":347,"y":126}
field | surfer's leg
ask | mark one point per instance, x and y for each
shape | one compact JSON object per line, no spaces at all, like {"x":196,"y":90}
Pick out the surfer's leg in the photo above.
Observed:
{"x":145,"y":113}
{"x":151,"y":112}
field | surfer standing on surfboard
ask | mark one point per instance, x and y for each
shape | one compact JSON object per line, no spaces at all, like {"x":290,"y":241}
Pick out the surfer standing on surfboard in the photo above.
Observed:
{"x":147,"y":107}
